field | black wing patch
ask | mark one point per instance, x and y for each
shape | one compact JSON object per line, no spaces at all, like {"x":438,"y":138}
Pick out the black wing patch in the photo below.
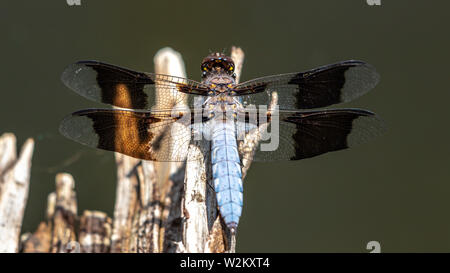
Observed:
{"x":324,"y":86}
{"x":319,"y":132}
{"x":125,"y":88}
{"x":144,"y":135}
{"x":308,"y":134}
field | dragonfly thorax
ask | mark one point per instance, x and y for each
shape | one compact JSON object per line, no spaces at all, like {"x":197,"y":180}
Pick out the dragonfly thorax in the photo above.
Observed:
{"x":220,"y":82}
{"x":221,"y":106}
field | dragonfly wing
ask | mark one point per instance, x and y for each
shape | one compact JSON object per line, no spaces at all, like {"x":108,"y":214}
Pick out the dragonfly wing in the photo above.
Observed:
{"x":320,"y":87}
{"x":300,"y":135}
{"x":155,"y":136}
{"x":126,"y":88}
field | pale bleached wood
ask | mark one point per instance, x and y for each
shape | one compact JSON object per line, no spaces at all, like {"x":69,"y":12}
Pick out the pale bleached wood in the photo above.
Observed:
{"x":64,"y":213}
{"x":58,"y":233}
{"x":172,"y":214}
{"x":126,"y":202}
{"x":8,"y":152}
{"x":250,"y":143}
{"x":237,"y":54}
{"x":14,"y":184}
{"x":95,"y":232}
{"x":149,"y":218}
{"x":41,"y":240}
{"x":195,"y":211}
{"x":137,"y":216}
{"x":248,"y":147}
{"x":170,"y":62}
{"x":216,"y":241}
{"x":141,"y":203}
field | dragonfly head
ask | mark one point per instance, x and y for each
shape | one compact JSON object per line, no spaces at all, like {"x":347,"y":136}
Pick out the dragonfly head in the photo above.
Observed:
{"x":217,"y":63}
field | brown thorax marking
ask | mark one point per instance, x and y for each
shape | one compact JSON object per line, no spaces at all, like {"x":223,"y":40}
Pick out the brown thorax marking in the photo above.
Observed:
{"x":218,"y":74}
{"x":220,"y":83}
{"x":223,"y":105}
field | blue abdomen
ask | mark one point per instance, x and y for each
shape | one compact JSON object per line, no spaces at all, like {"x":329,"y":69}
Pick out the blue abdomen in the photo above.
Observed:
{"x":226,"y":172}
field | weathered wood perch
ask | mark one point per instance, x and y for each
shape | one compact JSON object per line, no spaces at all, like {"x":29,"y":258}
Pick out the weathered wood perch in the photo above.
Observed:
{"x":14,"y":184}
{"x":160,"y":207}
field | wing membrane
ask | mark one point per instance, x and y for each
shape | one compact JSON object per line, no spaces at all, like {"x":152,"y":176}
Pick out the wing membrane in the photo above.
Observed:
{"x":324,"y":86}
{"x":308,"y":134}
{"x":125,"y":88}
{"x":153,"y":136}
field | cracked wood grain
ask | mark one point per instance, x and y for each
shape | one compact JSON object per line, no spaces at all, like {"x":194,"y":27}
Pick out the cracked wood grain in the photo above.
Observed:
{"x":14,"y":184}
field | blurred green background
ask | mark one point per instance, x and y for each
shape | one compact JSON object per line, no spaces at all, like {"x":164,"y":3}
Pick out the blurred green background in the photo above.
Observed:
{"x":394,"y":190}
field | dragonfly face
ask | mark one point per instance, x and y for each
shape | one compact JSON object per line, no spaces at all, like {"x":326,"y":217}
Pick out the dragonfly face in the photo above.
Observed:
{"x":153,"y":135}
{"x":217,"y":64}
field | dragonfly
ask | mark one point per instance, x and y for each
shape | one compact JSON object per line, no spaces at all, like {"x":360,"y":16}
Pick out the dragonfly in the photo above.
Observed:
{"x":157,"y":116}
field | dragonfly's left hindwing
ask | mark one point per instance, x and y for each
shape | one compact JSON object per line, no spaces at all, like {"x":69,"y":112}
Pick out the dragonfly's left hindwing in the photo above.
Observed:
{"x":294,"y":135}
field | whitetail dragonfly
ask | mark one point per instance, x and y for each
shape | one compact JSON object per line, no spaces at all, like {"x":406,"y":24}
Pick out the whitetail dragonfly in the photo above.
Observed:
{"x":161,"y":114}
